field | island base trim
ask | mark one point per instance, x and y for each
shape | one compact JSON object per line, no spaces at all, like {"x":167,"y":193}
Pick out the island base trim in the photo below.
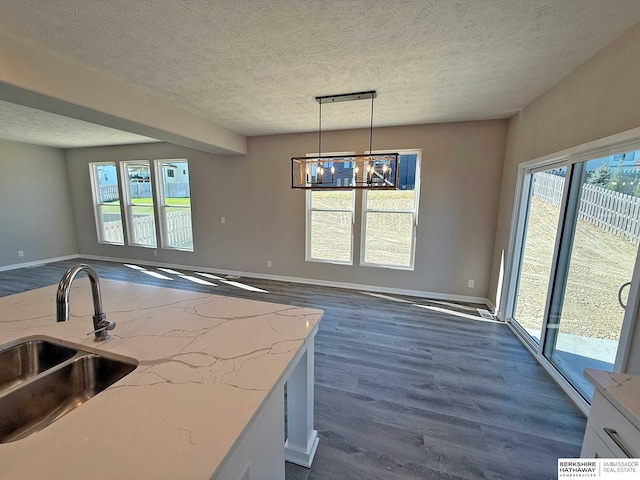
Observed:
{"x":304,"y":458}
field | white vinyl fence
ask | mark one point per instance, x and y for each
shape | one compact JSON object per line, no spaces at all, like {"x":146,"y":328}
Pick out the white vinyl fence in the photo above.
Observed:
{"x":611,"y":211}
{"x":143,"y":190}
{"x":179,"y":233}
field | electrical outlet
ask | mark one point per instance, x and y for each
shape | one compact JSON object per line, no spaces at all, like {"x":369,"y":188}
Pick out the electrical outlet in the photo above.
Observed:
{"x":20,"y":253}
{"x":268,"y":263}
{"x":155,"y":253}
{"x":471,"y":283}
{"x":223,"y":220}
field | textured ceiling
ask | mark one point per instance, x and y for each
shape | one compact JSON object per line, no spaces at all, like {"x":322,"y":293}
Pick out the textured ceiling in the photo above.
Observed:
{"x":254,"y":66}
{"x":28,"y":125}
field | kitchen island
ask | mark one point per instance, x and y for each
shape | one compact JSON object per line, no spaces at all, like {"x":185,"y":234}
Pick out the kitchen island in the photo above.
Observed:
{"x":205,"y":401}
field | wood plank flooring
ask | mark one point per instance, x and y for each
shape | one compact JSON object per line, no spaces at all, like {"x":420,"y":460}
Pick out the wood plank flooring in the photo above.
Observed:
{"x":403,"y":392}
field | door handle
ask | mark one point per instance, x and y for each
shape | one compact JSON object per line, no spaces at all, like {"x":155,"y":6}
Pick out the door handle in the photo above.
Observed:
{"x":623,"y":305}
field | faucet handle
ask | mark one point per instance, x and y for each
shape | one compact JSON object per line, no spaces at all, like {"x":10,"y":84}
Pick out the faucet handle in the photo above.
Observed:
{"x":103,"y":325}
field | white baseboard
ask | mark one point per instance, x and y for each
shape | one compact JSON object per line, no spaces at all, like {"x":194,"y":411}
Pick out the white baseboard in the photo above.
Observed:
{"x":4,"y":268}
{"x":491,"y":306}
{"x":306,"y":281}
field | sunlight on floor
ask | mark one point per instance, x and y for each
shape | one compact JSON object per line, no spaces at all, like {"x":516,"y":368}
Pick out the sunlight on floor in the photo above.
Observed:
{"x":197,"y":280}
{"x":135,"y":267}
{"x":168,"y":270}
{"x":208,"y":275}
{"x":156,"y":274}
{"x":244,"y":286}
{"x":457,"y":314}
{"x":386,"y":297}
{"x":200,"y":281}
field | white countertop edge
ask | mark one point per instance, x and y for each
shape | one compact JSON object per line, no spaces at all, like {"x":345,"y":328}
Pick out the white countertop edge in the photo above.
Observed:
{"x":621,"y":389}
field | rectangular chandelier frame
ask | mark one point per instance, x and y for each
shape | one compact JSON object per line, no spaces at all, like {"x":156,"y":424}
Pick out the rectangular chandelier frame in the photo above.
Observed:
{"x":377,"y":171}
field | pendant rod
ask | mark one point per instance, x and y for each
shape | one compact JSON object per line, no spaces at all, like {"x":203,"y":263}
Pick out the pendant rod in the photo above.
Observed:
{"x":371,"y":129}
{"x":320,"y":132}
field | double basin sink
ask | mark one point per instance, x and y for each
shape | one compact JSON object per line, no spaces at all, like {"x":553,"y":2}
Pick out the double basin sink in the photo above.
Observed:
{"x":41,"y":381}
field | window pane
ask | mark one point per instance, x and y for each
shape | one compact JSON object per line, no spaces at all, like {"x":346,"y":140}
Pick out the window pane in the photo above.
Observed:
{"x":391,"y":200}
{"x":174,"y":183}
{"x":331,"y":235}
{"x":111,"y":223}
{"x":140,"y":183}
{"x":107,"y":182}
{"x":538,"y":244}
{"x":143,"y":224}
{"x":332,"y":200}
{"x":407,"y":171}
{"x":107,"y":203}
{"x":178,"y":224}
{"x":388,"y":238}
{"x":585,"y":320}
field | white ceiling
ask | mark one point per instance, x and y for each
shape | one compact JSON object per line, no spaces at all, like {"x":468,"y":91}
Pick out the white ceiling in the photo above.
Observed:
{"x":28,"y":125}
{"x":255,"y":66}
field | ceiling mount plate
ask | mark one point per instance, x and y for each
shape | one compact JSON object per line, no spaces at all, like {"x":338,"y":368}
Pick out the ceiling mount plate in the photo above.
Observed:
{"x":347,"y":97}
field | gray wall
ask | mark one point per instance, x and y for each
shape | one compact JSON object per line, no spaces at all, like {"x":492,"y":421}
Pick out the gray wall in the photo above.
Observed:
{"x":598,"y":99}
{"x":35,"y":204}
{"x":265,"y":218}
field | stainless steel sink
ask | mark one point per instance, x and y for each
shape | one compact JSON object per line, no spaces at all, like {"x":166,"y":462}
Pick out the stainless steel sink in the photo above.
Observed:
{"x":20,"y":362}
{"x":44,"y":398}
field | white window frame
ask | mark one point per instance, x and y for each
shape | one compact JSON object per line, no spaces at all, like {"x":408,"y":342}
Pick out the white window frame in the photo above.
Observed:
{"x":414,"y":211}
{"x":95,"y":191}
{"x":309,"y":210}
{"x":161,"y":204}
{"x":128,"y":206}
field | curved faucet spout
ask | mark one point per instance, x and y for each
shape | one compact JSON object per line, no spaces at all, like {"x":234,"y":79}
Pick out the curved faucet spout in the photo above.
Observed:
{"x":62,"y":300}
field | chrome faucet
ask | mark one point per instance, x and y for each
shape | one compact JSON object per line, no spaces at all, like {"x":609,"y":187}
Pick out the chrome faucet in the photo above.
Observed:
{"x":100,"y":323}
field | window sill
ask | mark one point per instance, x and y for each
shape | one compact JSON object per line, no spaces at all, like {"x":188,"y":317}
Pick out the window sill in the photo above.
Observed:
{"x":334,"y":262}
{"x":110,"y":243}
{"x":390,"y":267}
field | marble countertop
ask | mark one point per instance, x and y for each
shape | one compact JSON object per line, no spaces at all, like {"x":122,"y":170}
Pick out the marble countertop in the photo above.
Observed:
{"x":206,"y":364}
{"x":621,"y":389}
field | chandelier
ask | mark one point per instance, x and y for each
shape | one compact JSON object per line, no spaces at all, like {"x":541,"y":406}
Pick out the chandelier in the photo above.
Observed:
{"x":337,"y":172}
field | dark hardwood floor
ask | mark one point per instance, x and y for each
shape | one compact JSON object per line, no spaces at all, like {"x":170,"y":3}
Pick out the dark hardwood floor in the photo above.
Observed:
{"x":404,"y":392}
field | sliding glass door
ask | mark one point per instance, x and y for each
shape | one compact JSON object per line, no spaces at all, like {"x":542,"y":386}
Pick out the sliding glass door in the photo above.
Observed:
{"x":544,"y":191}
{"x":579,"y":244}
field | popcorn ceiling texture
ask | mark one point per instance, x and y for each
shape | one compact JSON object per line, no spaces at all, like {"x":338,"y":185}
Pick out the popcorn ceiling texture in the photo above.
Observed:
{"x":255,"y":66}
{"x":28,"y":125}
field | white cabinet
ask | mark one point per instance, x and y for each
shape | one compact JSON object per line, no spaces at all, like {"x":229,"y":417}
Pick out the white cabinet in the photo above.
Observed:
{"x":594,"y":447}
{"x":610,"y":432}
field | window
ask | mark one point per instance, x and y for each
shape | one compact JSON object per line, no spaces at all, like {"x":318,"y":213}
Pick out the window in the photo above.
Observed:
{"x":330,"y":226}
{"x":139,"y":212}
{"x":389,"y":219}
{"x":330,"y":216}
{"x":106,"y":199}
{"x":174,"y":200}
